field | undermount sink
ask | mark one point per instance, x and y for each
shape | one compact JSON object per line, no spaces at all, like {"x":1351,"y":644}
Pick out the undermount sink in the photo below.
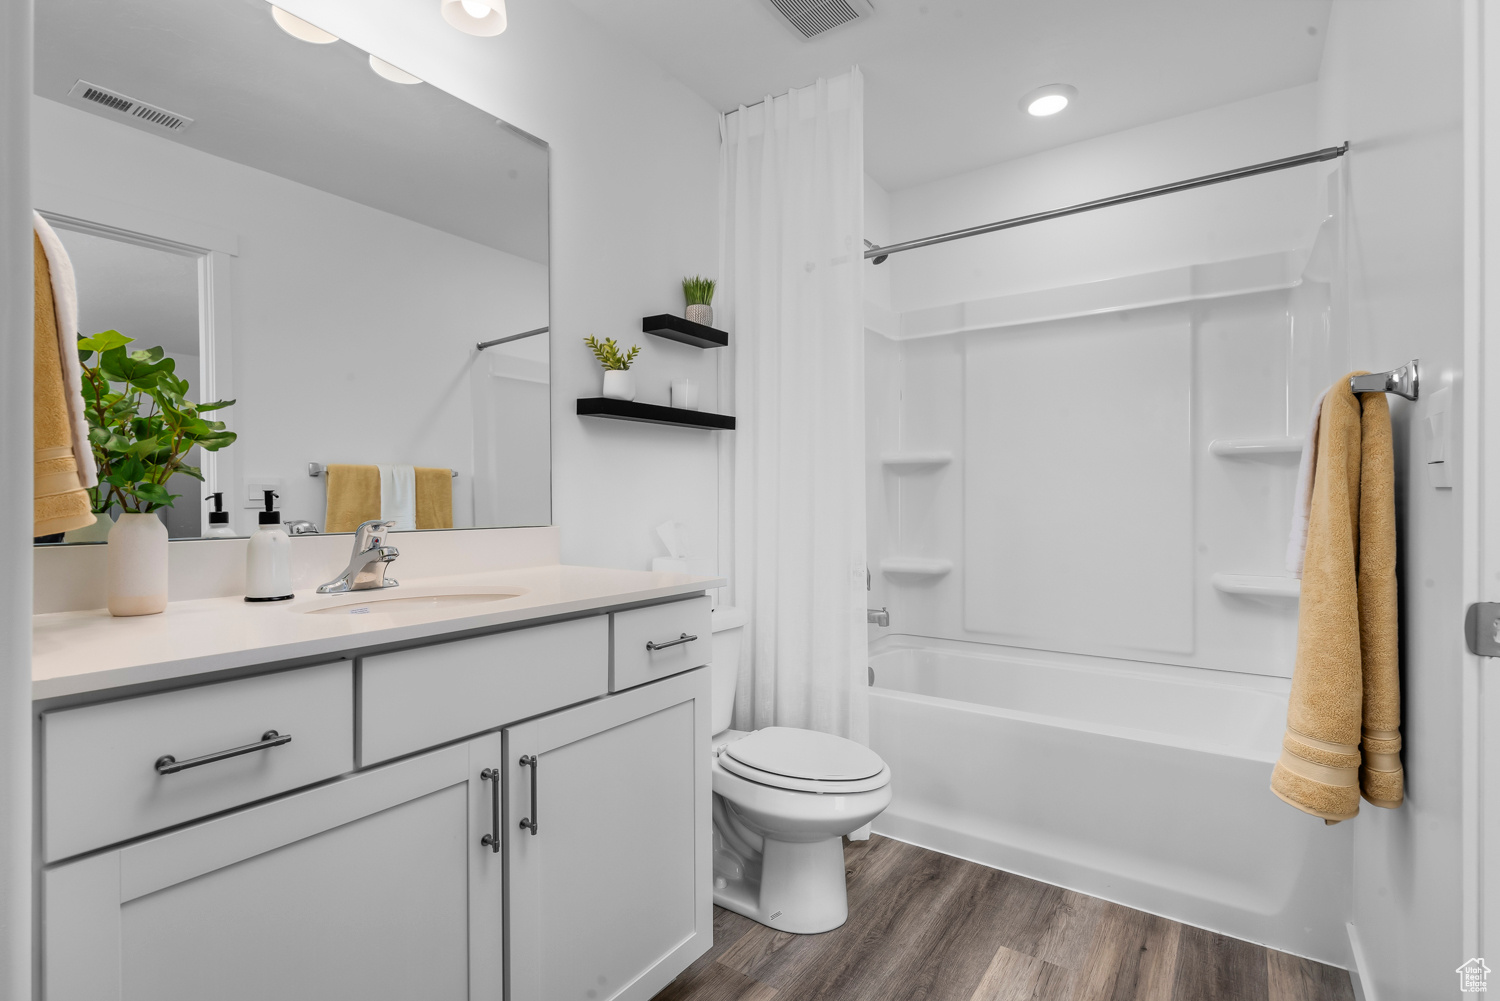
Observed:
{"x":400,"y":599}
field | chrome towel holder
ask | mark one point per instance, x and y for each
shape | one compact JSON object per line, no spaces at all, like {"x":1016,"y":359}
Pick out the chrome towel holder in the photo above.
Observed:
{"x":1402,"y":381}
{"x":318,"y":469}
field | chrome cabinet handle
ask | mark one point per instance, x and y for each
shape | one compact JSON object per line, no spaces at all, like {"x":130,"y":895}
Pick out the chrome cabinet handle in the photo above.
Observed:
{"x":492,"y":840}
{"x":529,"y":823}
{"x":684,"y":638}
{"x":168,"y":765}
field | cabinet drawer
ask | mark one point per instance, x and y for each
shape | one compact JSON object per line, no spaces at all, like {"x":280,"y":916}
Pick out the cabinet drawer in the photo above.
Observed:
{"x":415,"y":699}
{"x":633,"y":663}
{"x":101,"y":782}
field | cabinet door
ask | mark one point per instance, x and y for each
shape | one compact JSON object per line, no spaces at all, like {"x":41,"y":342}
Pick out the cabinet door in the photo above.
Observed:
{"x":609,"y":894}
{"x":374,"y":886}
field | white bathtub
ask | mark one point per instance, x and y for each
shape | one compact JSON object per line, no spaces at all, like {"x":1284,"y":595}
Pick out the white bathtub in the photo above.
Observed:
{"x":1147,"y":787}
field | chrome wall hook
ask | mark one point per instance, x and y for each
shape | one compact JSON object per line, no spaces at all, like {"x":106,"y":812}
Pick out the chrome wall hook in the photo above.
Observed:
{"x":1402,"y":381}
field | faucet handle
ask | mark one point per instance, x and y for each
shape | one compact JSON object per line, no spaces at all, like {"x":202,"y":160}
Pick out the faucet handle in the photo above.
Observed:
{"x":364,"y":535}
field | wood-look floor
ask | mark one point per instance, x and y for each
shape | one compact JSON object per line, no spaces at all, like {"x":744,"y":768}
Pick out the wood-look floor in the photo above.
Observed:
{"x":929,"y":927}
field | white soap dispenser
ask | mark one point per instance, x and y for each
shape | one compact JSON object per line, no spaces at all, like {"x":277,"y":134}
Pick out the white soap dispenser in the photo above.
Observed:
{"x":268,"y":563}
{"x":218,"y":519}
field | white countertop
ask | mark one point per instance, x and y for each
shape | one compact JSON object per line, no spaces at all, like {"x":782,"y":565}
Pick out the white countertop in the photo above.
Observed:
{"x":89,"y":651}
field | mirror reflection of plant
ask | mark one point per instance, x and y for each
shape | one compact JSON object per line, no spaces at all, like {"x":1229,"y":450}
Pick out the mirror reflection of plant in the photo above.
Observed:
{"x":608,"y":353}
{"x":141,"y":423}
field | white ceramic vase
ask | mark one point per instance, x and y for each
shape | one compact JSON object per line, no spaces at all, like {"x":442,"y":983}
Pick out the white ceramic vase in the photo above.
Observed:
{"x":97,"y":532}
{"x":619,"y":384}
{"x":136,"y":582}
{"x":700,"y":313}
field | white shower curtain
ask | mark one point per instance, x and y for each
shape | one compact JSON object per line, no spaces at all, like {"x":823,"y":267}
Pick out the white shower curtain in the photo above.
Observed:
{"x":792,"y":205}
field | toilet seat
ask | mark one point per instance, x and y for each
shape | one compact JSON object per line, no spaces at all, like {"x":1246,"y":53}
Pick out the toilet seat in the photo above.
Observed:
{"x":804,"y":761}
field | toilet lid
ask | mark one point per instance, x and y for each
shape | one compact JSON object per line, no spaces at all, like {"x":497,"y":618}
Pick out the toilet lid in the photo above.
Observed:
{"x":805,"y":754}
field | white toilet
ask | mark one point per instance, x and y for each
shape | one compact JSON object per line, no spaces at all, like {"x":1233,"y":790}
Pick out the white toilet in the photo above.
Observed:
{"x":783,"y":800}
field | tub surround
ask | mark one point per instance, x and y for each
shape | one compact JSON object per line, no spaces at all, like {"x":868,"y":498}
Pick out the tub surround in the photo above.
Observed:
{"x":78,"y":652}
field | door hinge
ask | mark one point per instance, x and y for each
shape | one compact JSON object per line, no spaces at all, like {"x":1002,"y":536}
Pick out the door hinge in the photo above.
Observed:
{"x":1482,"y":628}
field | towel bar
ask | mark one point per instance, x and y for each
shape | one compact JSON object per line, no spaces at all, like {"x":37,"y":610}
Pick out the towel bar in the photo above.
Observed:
{"x":1401,"y":381}
{"x":318,"y":469}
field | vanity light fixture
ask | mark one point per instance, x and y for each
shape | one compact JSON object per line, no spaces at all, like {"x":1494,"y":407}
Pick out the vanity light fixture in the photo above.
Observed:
{"x":298,"y":28}
{"x":1048,"y":100}
{"x":475,"y":17}
{"x":392,"y":73}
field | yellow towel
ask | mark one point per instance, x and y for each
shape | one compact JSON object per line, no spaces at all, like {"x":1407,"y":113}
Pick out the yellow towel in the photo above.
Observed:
{"x":354,"y":496}
{"x":61,"y":504}
{"x":434,"y":497}
{"x":1346,"y":682}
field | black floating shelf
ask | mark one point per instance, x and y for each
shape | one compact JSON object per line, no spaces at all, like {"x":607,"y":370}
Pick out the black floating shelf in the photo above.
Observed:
{"x":650,"y":413}
{"x":675,"y":328}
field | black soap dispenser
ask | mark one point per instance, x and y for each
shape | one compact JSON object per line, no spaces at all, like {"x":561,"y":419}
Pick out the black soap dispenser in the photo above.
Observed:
{"x":268,"y":561}
{"x":218,"y":519}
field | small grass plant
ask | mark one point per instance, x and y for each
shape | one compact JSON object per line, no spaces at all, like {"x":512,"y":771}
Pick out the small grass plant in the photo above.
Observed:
{"x":698,"y":291}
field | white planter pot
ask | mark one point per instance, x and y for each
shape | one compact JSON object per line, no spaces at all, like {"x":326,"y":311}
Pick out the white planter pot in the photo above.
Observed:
{"x":136,"y":582}
{"x":700,"y":313}
{"x":619,"y":385}
{"x":97,"y":532}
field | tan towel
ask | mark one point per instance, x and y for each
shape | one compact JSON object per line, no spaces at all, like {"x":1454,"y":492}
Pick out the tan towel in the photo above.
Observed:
{"x":354,"y":497}
{"x":61,"y":503}
{"x":1346,"y":683}
{"x":434,"y":497}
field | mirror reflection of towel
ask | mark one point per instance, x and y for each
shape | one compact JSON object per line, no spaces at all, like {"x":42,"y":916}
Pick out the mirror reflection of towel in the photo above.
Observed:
{"x":398,"y":496}
{"x":355,"y":495}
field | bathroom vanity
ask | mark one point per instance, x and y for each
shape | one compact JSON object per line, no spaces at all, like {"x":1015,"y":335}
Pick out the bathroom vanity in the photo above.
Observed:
{"x":496,"y":788}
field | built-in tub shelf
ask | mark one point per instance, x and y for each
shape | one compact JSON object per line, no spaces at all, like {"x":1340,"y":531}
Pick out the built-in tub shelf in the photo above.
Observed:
{"x":1258,"y":587}
{"x":1249,"y":448}
{"x":901,"y":463}
{"x":650,"y":413}
{"x":914,"y":566}
{"x":675,"y":328}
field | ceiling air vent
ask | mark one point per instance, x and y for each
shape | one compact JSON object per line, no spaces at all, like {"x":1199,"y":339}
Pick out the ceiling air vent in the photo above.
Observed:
{"x":813,"y":17}
{"x":149,"y":114}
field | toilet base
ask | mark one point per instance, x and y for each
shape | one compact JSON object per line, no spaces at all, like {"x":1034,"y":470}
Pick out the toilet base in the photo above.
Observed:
{"x":792,"y":887}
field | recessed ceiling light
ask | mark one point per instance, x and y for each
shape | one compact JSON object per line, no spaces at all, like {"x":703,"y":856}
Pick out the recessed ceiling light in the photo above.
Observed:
{"x":476,"y":17}
{"x":298,"y":28}
{"x":1048,"y":100}
{"x":392,"y":73}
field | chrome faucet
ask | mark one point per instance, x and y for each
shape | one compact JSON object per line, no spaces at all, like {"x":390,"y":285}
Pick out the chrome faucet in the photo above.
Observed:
{"x":366,"y":569}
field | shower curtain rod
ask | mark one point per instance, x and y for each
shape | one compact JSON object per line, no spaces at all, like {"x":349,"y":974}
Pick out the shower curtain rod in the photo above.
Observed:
{"x":1317,"y":156}
{"x":481,"y":345}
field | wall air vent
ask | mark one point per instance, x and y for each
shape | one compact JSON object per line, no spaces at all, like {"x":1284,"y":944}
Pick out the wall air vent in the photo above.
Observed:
{"x":813,"y":17}
{"x":148,"y":114}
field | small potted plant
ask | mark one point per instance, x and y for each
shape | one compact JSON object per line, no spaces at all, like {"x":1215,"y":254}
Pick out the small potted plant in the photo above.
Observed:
{"x":699,"y":293}
{"x":142,"y":426}
{"x":619,"y":381}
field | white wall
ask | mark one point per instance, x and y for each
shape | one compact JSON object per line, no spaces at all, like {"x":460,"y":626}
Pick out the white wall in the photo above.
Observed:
{"x":634,"y":208}
{"x":15,"y":504}
{"x":1392,"y":85}
{"x":352,"y":329}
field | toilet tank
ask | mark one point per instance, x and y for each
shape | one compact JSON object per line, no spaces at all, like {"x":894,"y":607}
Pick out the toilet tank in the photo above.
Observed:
{"x":729,"y":630}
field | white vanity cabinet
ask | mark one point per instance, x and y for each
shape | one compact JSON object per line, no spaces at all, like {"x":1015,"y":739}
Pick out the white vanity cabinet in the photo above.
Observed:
{"x":475,"y":819}
{"x":608,"y":896}
{"x":374,"y":886}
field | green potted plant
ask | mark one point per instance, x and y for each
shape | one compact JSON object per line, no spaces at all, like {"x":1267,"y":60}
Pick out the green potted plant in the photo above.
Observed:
{"x":619,"y":381}
{"x":699,"y":293}
{"x":141,"y":426}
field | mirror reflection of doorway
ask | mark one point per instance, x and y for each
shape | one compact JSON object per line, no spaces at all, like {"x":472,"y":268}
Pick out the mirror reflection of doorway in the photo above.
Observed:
{"x":152,"y":295}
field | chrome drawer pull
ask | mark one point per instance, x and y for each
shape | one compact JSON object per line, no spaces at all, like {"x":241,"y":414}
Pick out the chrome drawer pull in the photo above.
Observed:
{"x":684,"y":638}
{"x":492,"y":840}
{"x":167,"y":764}
{"x":529,"y":823}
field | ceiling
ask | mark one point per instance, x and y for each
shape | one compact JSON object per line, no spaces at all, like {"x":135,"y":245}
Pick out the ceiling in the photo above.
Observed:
{"x":944,"y":78}
{"x":315,"y":114}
